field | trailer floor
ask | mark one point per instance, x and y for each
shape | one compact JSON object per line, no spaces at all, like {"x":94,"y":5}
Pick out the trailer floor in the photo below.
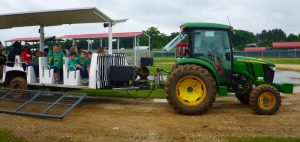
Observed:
{"x":117,"y":119}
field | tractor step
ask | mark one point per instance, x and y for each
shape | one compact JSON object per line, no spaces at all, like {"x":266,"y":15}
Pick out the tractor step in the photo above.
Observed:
{"x":35,"y":103}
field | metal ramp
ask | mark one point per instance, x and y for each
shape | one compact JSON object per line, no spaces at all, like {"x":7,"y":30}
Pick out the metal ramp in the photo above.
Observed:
{"x":38,"y":103}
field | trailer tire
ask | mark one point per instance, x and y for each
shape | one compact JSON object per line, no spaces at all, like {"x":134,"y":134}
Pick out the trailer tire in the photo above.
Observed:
{"x":190,"y":90}
{"x":18,"y":83}
{"x":265,"y":100}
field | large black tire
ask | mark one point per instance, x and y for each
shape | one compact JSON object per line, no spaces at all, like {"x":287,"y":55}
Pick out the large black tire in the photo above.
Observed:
{"x":273,"y":100}
{"x":190,"y":71}
{"x":18,"y":83}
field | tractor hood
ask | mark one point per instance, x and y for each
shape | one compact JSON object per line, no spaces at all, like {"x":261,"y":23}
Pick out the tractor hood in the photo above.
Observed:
{"x":252,"y":60}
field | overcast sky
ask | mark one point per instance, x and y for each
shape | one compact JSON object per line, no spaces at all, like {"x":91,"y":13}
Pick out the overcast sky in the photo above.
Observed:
{"x":166,"y":15}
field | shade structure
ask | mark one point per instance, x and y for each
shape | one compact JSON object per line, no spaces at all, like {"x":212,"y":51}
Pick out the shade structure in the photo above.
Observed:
{"x":101,"y":35}
{"x":54,"y":18}
{"x":58,"y":17}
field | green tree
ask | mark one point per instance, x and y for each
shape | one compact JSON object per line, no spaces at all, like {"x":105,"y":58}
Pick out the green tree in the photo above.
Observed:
{"x":158,"y":39}
{"x":265,"y":38}
{"x":292,"y":37}
{"x":241,"y":38}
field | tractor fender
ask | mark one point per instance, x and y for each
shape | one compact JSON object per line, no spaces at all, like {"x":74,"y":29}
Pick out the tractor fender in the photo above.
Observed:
{"x":201,"y":63}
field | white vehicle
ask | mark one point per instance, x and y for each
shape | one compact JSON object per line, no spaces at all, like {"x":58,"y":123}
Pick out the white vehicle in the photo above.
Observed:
{"x":106,"y":70}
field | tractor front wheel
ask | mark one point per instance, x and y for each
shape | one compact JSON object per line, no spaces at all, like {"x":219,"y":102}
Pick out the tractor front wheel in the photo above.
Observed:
{"x":265,"y":100}
{"x":190,"y":90}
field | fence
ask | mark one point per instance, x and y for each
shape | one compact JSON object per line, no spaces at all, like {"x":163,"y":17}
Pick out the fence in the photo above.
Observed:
{"x":271,"y":53}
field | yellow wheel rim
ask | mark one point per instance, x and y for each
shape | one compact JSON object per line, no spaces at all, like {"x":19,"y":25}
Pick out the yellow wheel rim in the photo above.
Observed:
{"x":266,"y":100}
{"x":191,"y":90}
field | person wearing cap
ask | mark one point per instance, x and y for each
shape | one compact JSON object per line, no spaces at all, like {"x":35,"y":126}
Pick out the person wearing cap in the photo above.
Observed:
{"x":16,"y":50}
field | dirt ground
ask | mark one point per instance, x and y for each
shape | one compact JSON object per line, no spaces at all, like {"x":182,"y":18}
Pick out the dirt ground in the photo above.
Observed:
{"x":107,"y":119}
{"x":290,"y":67}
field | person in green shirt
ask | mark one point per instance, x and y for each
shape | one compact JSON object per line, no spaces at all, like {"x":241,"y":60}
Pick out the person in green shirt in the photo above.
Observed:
{"x":56,"y":62}
{"x":35,"y":62}
{"x":89,"y":59}
{"x":72,"y":62}
{"x":82,"y":65}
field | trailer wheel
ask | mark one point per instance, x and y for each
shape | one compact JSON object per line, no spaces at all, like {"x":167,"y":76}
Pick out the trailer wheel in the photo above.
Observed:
{"x":265,"y":100}
{"x":18,"y":83}
{"x":190,"y":90}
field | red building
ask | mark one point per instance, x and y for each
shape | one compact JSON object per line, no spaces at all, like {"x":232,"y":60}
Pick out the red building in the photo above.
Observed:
{"x":286,"y":45}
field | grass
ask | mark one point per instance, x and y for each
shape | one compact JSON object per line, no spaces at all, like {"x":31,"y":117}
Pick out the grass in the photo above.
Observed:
{"x":283,"y":60}
{"x":263,"y":139}
{"x":7,"y":136}
{"x":158,"y":93}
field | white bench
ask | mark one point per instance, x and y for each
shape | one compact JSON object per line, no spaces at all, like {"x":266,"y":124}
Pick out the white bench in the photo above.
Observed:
{"x":17,"y":67}
{"x":46,"y":74}
{"x":71,"y":78}
{"x":31,"y":78}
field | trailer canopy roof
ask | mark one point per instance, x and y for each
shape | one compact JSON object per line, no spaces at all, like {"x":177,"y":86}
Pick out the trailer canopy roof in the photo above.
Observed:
{"x":54,"y":18}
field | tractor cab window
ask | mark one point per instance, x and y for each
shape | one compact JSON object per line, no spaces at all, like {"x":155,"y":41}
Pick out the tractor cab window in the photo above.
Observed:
{"x":208,"y":42}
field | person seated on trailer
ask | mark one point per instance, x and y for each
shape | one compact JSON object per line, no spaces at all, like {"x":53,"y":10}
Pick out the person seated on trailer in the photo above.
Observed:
{"x":101,"y":50}
{"x":26,"y":56}
{"x":80,"y":49}
{"x":2,"y":60}
{"x":81,"y":65}
{"x":35,"y":61}
{"x":46,"y":50}
{"x":16,"y":50}
{"x":56,"y":62}
{"x":89,"y":59}
{"x":71,"y":49}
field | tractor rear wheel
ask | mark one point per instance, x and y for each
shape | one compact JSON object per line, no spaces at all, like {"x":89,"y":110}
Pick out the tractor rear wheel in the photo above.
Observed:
{"x":190,"y":90}
{"x":265,"y":100}
{"x":18,"y":83}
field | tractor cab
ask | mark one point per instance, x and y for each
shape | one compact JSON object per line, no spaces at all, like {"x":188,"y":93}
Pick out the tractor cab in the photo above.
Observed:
{"x":208,"y":42}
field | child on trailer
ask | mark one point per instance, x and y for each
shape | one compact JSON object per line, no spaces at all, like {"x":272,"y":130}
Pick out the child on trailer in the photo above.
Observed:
{"x":56,"y":62}
{"x":74,"y":65}
{"x":89,"y":58}
{"x":82,"y":63}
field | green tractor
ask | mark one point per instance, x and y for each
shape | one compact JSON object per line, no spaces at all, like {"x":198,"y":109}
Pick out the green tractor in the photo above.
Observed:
{"x":208,"y":68}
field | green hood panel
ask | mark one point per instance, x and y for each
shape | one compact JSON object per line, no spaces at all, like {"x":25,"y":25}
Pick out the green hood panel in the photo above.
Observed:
{"x":252,"y":60}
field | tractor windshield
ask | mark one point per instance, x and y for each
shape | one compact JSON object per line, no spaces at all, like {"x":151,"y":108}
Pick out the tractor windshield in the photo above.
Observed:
{"x":210,"y":42}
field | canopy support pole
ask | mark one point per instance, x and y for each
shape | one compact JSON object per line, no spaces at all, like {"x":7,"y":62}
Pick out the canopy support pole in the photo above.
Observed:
{"x":134,"y":48}
{"x":149,"y":42}
{"x":110,"y":38}
{"x":118,"y":45}
{"x":42,"y":38}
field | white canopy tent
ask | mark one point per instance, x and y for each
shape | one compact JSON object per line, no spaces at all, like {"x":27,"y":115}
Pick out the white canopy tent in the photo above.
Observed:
{"x":58,"y":17}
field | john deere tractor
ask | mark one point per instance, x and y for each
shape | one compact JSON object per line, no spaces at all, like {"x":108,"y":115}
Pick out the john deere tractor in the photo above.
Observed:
{"x":208,"y":68}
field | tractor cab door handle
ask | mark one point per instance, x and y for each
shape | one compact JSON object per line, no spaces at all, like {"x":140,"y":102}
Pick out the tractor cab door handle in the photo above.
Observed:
{"x":227,"y":55}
